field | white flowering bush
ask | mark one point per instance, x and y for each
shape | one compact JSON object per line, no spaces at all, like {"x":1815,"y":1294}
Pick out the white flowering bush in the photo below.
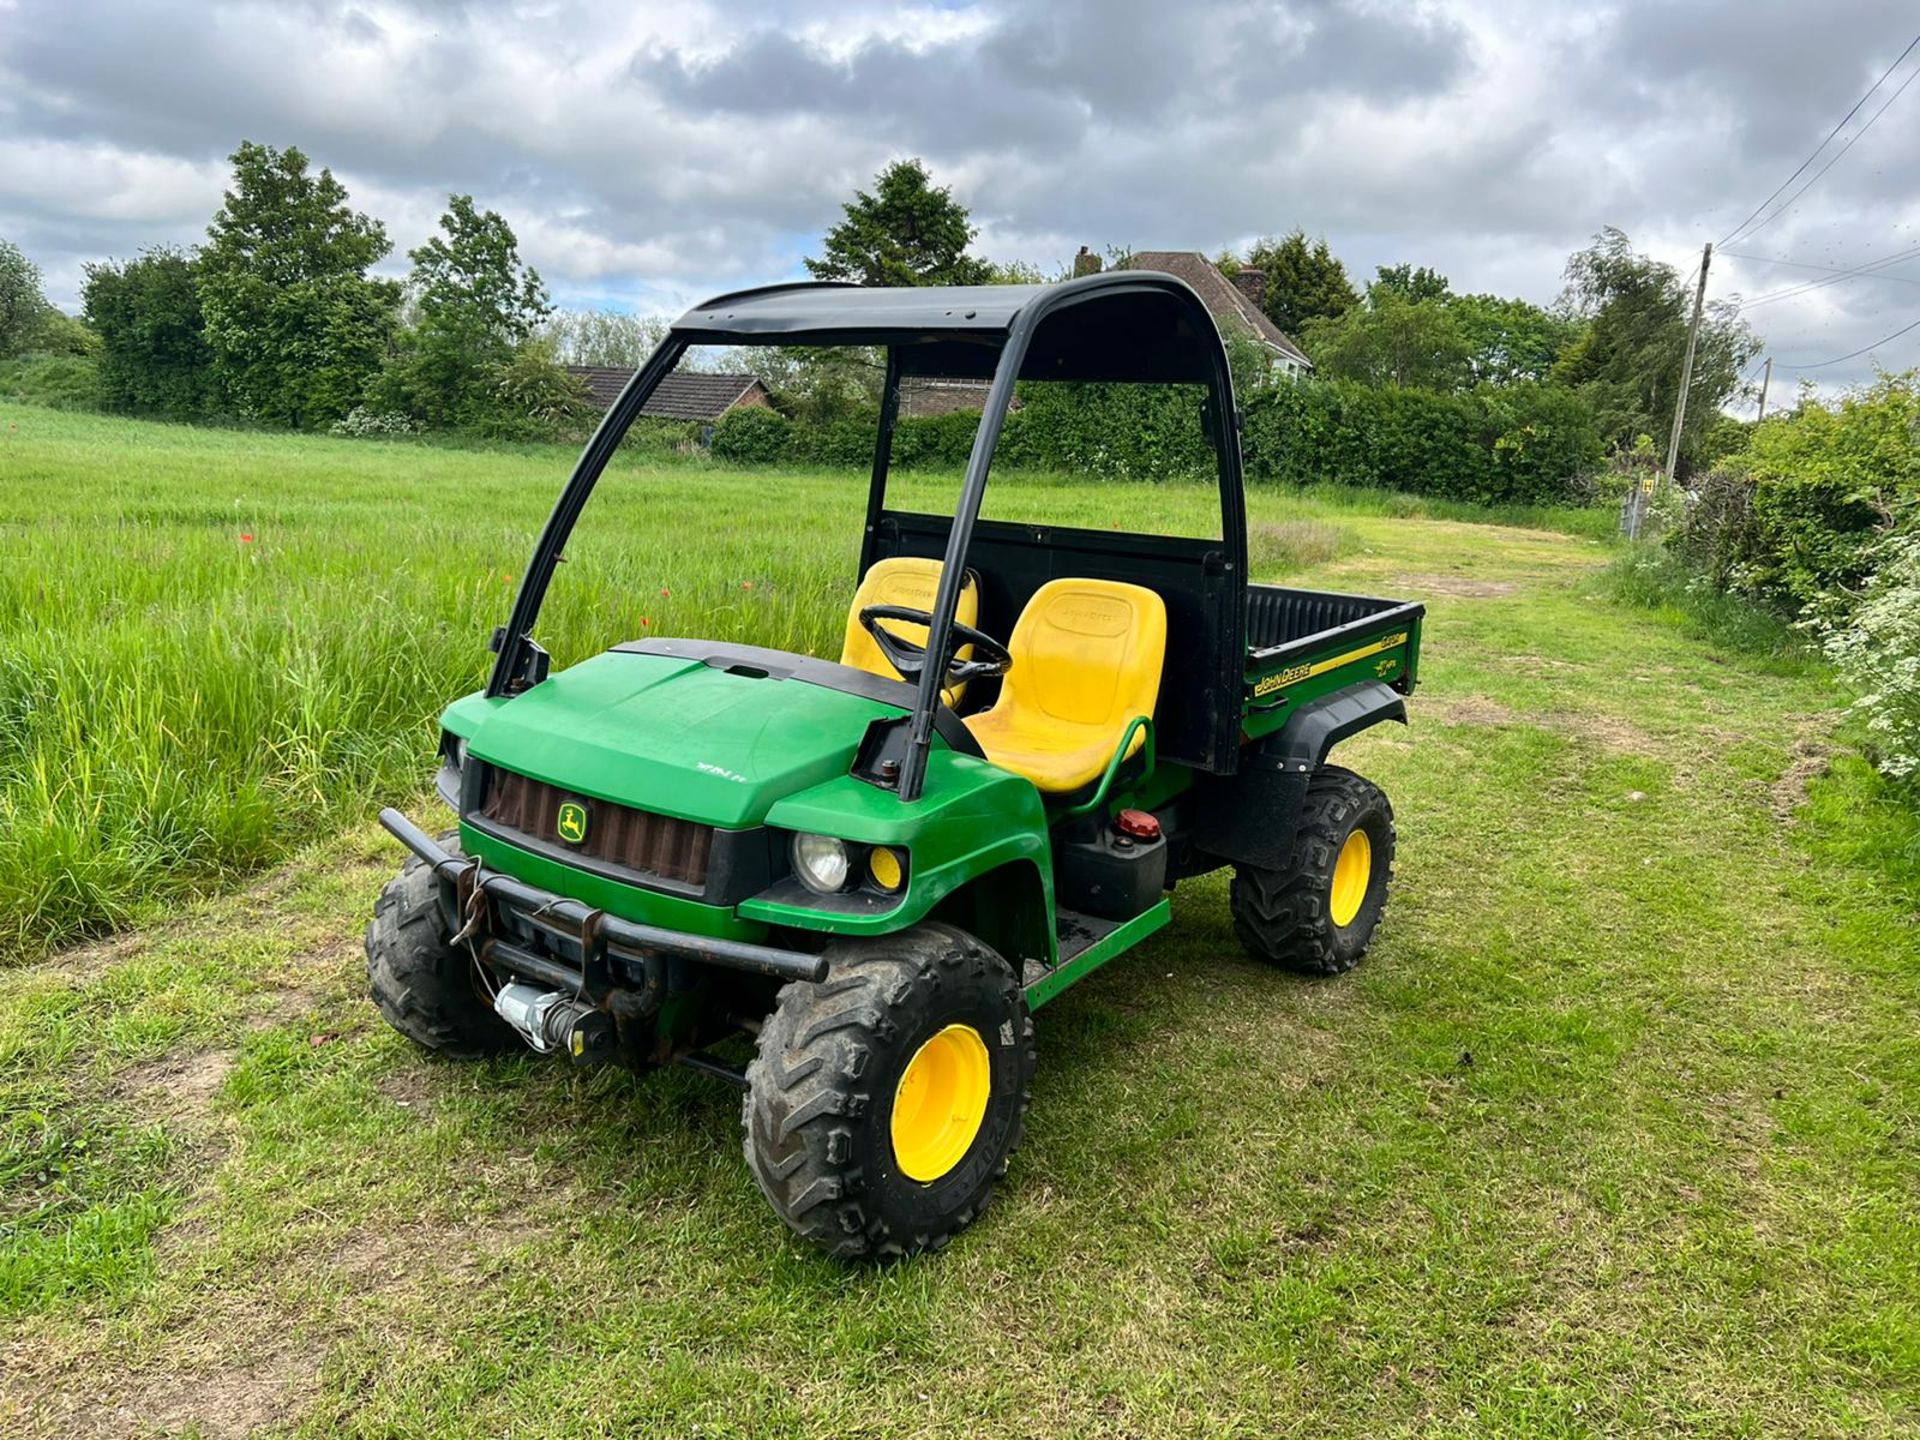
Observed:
{"x":1876,"y":648}
{"x":362,"y":421}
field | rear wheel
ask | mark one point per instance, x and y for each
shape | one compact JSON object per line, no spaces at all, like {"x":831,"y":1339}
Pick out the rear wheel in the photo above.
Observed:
{"x":1318,"y":915}
{"x":424,"y":985}
{"x":885,"y":1100}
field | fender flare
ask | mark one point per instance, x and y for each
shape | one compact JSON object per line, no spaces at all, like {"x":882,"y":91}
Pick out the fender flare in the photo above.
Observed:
{"x":1249,"y":818}
{"x":1319,"y":725}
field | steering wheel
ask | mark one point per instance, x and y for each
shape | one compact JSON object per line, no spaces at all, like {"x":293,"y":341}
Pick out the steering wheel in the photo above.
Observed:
{"x":990,"y":656}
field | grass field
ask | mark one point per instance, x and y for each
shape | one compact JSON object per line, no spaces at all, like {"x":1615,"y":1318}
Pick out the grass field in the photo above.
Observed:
{"x":217,"y":645}
{"x":1616,"y":1131}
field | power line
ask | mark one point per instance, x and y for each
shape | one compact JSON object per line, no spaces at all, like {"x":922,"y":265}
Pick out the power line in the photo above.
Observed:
{"x":1856,"y":354}
{"x":1794,"y":199}
{"x":1807,"y":286}
{"x":1847,"y":271}
{"x":1814,"y":154}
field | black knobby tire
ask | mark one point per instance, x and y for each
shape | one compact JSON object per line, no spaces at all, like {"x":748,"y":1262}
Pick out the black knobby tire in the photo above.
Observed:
{"x":1285,"y":917}
{"x":424,"y":986}
{"x":819,"y":1106}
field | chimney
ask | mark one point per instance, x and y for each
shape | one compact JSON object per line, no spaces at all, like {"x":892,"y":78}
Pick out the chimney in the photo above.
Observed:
{"x":1085,"y":263}
{"x":1252,"y":283}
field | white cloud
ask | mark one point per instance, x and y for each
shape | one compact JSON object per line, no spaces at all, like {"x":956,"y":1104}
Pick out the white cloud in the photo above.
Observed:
{"x":651,"y":152}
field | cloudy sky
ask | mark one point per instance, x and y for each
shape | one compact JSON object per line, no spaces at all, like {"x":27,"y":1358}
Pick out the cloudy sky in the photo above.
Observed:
{"x":649,"y":153}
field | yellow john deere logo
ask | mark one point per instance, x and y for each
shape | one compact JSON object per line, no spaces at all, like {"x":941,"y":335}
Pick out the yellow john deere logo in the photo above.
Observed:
{"x":572,"y":823}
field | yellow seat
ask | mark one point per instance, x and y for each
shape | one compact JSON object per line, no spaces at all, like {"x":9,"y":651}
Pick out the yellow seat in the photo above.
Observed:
{"x":903,"y":580}
{"x":1086,"y":661}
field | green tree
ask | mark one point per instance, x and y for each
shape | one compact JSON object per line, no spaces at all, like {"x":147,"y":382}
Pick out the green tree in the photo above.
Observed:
{"x":1412,"y":283}
{"x":477,"y":305}
{"x":906,"y":231}
{"x":154,"y":356}
{"x":24,"y":310}
{"x":1510,"y":340}
{"x":603,"y":337}
{"x":1627,"y":358}
{"x":1391,"y":340}
{"x":296,"y":325}
{"x":1304,"y":281}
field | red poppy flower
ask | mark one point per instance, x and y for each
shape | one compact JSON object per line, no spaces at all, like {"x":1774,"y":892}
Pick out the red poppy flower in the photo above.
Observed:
{"x":246,"y":539}
{"x":645,"y":621}
{"x":665,"y":594}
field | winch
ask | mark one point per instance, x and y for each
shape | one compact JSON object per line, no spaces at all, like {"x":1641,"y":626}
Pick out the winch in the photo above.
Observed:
{"x":550,"y":1021}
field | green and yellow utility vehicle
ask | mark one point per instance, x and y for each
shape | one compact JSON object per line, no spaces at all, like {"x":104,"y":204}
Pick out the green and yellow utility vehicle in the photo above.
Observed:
{"x":877,"y":867}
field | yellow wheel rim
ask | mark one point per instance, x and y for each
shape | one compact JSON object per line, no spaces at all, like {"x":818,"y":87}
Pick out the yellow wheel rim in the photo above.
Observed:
{"x":940,"y":1103}
{"x":1351,"y":872}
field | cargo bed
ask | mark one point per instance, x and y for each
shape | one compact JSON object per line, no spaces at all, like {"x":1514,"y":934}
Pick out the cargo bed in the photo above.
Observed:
{"x":1302,"y":644}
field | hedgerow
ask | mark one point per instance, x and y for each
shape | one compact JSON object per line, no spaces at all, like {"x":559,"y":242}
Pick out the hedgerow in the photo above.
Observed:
{"x":1523,"y":443}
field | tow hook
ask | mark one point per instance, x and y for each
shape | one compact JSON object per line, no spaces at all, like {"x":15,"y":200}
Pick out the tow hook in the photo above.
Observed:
{"x":549,"y":1021}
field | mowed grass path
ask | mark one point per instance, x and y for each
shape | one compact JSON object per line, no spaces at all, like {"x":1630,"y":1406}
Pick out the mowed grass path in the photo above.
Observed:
{"x":1616,"y":1131}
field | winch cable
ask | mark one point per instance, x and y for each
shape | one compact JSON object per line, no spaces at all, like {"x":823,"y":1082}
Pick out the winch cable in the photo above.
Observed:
{"x":475,"y":917}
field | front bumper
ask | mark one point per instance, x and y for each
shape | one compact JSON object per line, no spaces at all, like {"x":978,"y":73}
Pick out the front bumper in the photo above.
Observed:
{"x":592,"y":934}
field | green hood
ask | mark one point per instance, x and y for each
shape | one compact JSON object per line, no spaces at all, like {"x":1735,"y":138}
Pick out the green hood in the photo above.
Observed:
{"x":677,"y":737}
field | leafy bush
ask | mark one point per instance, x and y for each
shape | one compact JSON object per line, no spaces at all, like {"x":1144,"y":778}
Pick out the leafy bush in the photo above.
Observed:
{"x":1524,"y":443}
{"x":154,"y":355}
{"x":362,"y":421}
{"x":533,"y":398}
{"x":1796,"y":519}
{"x":656,"y":435}
{"x":938,"y":441}
{"x":1875,"y":645}
{"x":60,"y":382}
{"x":1119,"y":432}
{"x":753,"y":436}
{"x":842,"y":444}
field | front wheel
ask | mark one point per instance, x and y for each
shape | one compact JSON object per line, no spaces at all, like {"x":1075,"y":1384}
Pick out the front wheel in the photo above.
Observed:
{"x":1317,"y":916}
{"x":424,"y":985}
{"x":886,"y":1099}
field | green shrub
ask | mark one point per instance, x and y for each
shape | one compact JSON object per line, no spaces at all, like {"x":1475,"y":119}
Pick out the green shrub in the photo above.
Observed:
{"x":60,"y":382}
{"x":365,"y":422}
{"x":1514,"y":444}
{"x":1525,"y":444}
{"x":937,"y":441}
{"x":657,"y":435}
{"x":1796,"y":519}
{"x":1119,"y":431}
{"x":1876,"y":648}
{"x":842,"y":444}
{"x":753,"y":436}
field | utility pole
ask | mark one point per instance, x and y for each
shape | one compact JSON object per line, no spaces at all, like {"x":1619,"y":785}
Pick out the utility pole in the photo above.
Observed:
{"x":1686,"y":367}
{"x":1686,"y":383}
{"x":1765,"y":380}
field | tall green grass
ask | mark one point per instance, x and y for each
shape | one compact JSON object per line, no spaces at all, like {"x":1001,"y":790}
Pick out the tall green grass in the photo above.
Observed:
{"x":215,"y":644}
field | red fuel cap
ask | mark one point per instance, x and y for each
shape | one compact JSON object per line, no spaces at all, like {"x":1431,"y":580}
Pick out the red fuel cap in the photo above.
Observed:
{"x":1139,"y":824}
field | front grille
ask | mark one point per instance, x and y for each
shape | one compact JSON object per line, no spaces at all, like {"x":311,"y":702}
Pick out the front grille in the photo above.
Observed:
{"x":637,"y":840}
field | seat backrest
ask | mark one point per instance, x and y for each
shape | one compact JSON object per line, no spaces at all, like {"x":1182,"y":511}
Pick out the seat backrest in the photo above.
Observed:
{"x":1087,"y":653}
{"x":903,"y":580}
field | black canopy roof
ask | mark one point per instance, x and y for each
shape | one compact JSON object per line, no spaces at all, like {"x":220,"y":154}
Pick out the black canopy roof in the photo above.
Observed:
{"x":1125,"y":325}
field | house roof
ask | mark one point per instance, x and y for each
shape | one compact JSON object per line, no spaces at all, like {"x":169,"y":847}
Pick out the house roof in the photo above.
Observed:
{"x":1225,"y":299}
{"x":683,"y":395}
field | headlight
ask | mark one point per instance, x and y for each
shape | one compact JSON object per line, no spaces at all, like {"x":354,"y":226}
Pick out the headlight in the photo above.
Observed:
{"x":821,"y":862}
